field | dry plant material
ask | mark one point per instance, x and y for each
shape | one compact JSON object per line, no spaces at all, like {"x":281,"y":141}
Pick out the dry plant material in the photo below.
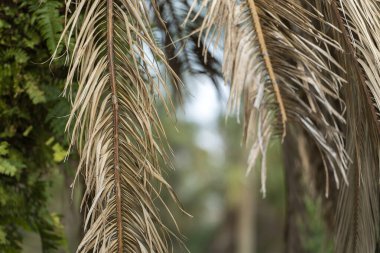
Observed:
{"x":120,"y":73}
{"x":324,"y":58}
{"x":358,"y":215}
{"x":277,"y":61}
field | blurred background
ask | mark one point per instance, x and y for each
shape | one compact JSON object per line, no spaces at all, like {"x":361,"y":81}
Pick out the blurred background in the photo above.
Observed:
{"x":229,"y":213}
{"x":39,"y":209}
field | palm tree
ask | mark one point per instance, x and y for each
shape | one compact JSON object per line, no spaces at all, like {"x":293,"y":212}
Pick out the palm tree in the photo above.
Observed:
{"x":306,"y":71}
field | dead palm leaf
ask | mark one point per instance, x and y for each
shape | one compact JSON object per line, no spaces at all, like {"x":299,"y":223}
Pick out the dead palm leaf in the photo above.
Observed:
{"x":358,"y":203}
{"x":114,"y":123}
{"x":278,"y":62}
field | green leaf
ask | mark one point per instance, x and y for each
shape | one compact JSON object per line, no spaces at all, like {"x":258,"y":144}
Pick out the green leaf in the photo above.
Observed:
{"x":10,"y":162}
{"x":7,"y":168}
{"x":4,"y":148}
{"x":49,"y":141}
{"x":59,"y":153}
{"x":51,"y":232}
{"x":35,"y":93}
{"x":27,"y":131}
{"x":49,"y":22}
{"x":18,"y":54}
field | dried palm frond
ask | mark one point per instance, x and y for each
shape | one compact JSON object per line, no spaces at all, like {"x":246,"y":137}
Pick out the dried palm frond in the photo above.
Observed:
{"x":114,"y":123}
{"x":314,"y":63}
{"x":278,"y":62}
{"x":358,"y":204}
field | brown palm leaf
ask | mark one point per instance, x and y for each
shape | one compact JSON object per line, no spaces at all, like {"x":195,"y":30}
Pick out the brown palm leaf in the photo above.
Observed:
{"x":358,"y":204}
{"x":114,"y":123}
{"x":315,"y":64}
{"x":277,"y":60}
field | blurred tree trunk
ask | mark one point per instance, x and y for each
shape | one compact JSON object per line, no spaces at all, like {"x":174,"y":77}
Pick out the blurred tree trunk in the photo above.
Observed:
{"x":247,"y":217}
{"x":237,"y":233}
{"x":295,"y":192}
{"x":305,"y":178}
{"x":225,"y":240}
{"x":72,"y":217}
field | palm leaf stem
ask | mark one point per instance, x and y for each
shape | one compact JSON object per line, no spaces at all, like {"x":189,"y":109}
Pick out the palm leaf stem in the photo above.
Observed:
{"x":115,"y":109}
{"x":267,"y":61}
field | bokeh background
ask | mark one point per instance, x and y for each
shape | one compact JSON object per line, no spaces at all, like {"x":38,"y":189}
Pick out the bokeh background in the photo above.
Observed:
{"x":229,"y":214}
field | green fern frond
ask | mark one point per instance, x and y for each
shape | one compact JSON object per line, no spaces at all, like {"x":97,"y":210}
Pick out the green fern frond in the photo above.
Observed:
{"x":47,"y":18}
{"x":17,"y":54}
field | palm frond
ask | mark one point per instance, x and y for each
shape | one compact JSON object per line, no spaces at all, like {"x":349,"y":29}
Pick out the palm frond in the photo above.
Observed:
{"x":114,"y":123}
{"x":277,"y":61}
{"x":358,"y":202}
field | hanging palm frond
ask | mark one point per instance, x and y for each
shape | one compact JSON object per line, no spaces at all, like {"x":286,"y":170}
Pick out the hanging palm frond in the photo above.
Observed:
{"x":358,"y":204}
{"x":114,"y":123}
{"x":278,"y":62}
{"x":314,"y":63}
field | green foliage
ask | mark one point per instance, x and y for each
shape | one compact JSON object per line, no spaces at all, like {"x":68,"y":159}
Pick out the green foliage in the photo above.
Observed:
{"x":315,"y":237}
{"x":46,"y":17}
{"x":31,"y":113}
{"x":10,"y":164}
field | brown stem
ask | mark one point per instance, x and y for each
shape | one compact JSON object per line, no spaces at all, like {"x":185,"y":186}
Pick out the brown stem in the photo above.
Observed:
{"x":115,"y":105}
{"x":267,"y":61}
